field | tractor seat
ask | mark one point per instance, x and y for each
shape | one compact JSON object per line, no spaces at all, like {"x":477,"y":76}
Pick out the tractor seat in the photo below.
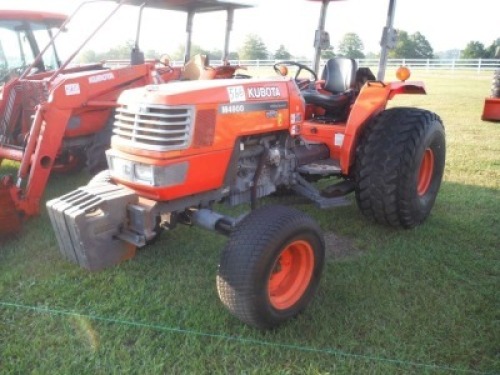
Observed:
{"x":339,"y":75}
{"x":198,"y":68}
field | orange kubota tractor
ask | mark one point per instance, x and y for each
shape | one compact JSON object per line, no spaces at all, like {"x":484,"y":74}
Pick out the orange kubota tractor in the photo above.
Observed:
{"x":57,"y":117}
{"x":178,"y":149}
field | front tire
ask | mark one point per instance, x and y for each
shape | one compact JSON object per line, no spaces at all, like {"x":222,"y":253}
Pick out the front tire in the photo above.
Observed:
{"x":271,"y":266}
{"x":399,"y":166}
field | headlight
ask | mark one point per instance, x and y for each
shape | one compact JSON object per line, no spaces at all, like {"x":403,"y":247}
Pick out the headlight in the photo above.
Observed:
{"x":144,"y":173}
{"x":148,"y":174}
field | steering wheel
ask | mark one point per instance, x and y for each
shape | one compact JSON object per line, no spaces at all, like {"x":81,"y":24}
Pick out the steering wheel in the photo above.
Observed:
{"x":164,"y":60}
{"x":301,"y":82}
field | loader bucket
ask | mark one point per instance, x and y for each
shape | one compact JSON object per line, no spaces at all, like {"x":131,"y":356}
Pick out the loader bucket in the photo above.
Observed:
{"x":491,"y":110}
{"x":10,"y":221}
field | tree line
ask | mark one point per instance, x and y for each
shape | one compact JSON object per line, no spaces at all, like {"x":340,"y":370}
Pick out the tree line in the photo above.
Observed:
{"x":477,"y":50}
{"x":409,"y":46}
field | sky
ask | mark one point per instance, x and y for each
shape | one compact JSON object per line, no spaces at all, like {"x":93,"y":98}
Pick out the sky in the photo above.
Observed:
{"x":447,"y":24}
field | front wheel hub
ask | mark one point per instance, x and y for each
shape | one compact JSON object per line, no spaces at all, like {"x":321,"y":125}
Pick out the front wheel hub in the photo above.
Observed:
{"x":291,"y":274}
{"x":425,"y":173}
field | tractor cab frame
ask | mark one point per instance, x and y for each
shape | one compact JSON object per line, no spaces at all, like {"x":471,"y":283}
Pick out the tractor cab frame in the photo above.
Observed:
{"x":22,"y":33}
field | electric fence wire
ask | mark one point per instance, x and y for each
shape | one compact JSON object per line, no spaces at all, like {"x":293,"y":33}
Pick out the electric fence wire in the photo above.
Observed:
{"x":239,"y":339}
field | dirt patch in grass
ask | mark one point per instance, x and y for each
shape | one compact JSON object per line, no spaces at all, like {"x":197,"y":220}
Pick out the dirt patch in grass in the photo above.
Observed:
{"x":340,"y":248}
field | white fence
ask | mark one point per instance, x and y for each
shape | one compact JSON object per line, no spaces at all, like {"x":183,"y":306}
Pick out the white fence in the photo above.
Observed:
{"x":477,"y":65}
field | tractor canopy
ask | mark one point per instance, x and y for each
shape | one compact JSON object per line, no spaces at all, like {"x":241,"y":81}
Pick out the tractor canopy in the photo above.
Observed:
{"x":189,"y":6}
{"x":49,"y":19}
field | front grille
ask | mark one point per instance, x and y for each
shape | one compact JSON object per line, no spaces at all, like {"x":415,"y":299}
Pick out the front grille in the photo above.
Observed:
{"x":154,"y":127}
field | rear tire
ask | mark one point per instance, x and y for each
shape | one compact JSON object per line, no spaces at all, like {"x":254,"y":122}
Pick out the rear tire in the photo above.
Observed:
{"x":399,"y":166}
{"x":271,"y":266}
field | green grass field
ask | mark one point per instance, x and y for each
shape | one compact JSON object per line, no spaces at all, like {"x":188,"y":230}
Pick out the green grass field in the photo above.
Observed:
{"x":421,"y":301}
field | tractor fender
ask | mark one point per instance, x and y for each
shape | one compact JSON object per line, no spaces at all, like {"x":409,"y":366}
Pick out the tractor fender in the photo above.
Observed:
{"x":371,"y":100}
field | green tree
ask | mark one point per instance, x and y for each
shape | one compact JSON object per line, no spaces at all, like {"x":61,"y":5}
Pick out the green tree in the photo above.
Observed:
{"x":120,"y":52}
{"x":448,"y":54}
{"x":88,"y":56}
{"x":253,"y":48}
{"x":233,"y":56}
{"x":178,"y":54}
{"x":403,"y":48}
{"x":215,"y":54}
{"x":152,"y":54}
{"x":414,"y":46}
{"x":351,"y":46}
{"x":474,"y":50}
{"x":494,"y":49}
{"x":421,"y":47}
{"x":372,"y":55}
{"x":282,"y":54}
{"x":328,"y":53}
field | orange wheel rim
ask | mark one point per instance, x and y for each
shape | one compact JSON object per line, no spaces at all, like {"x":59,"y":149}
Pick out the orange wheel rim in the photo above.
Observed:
{"x":291,"y":274}
{"x":425,"y":173}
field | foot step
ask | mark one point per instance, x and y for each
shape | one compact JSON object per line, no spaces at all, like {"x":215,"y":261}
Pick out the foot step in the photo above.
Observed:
{"x":321,"y":167}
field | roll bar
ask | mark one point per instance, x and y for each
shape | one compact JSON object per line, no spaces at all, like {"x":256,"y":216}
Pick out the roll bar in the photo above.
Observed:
{"x":388,"y":37}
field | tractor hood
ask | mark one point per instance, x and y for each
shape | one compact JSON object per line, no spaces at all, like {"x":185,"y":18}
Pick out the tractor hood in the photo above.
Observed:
{"x":208,"y":92}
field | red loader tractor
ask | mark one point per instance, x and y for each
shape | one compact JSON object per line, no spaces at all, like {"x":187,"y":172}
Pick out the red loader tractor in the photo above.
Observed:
{"x":58,"y":117}
{"x":180,"y":149}
{"x":21,"y":33}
